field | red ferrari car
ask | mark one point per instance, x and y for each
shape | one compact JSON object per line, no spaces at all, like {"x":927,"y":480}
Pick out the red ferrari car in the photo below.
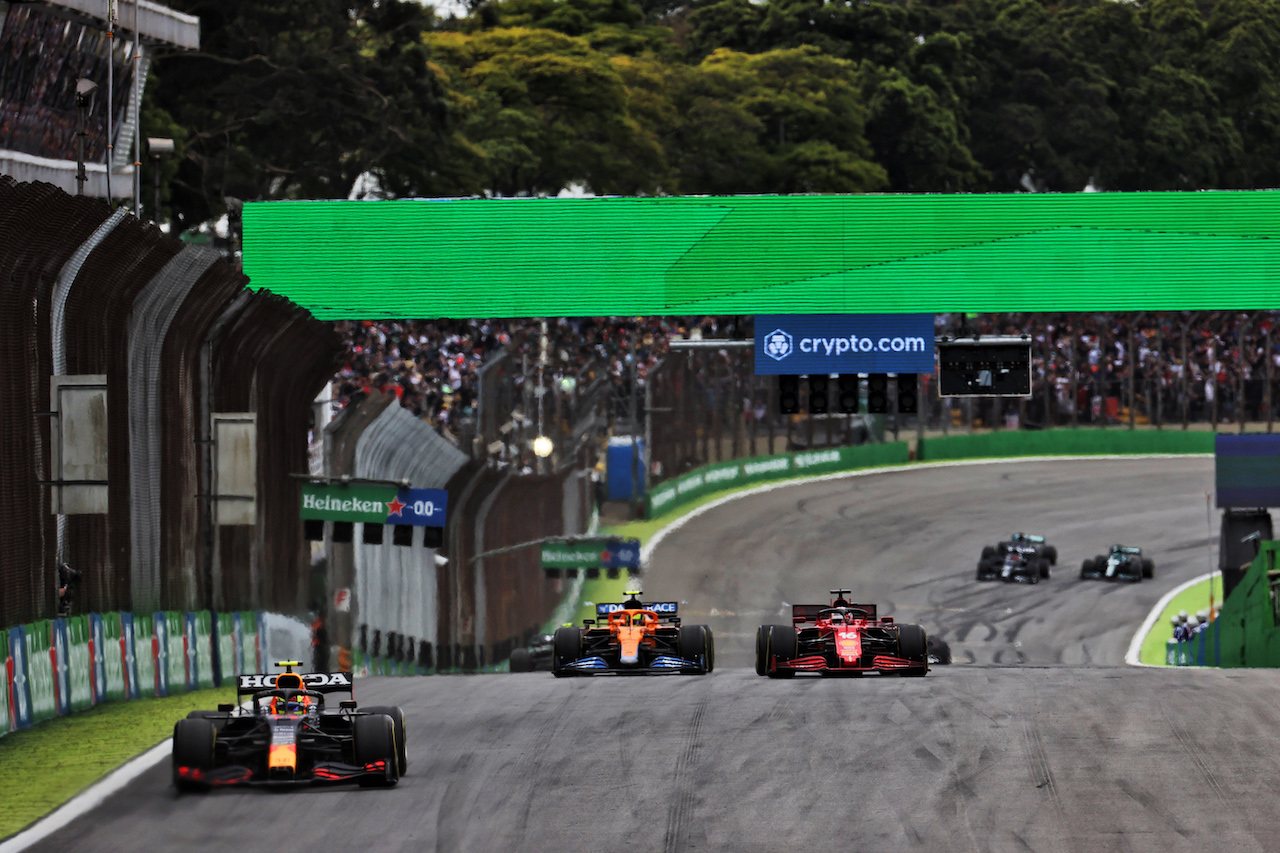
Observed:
{"x":840,"y":639}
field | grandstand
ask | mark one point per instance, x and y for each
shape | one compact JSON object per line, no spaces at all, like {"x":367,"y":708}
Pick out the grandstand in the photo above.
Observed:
{"x":45,"y":47}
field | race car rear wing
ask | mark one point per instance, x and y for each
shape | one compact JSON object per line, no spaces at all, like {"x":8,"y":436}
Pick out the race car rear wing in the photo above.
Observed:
{"x":809,"y":612}
{"x":321,"y":682}
{"x":664,"y":609}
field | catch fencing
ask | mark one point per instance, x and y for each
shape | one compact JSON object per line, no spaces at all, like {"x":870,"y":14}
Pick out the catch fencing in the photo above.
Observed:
{"x":179,"y":338}
{"x":413,"y":608}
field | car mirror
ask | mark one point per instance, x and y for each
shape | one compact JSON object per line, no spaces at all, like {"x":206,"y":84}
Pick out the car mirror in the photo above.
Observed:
{"x":347,"y":704}
{"x":225,"y":707}
{"x":888,"y":620}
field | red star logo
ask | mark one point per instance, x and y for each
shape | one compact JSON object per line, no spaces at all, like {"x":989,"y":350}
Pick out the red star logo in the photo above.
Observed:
{"x":394,"y":506}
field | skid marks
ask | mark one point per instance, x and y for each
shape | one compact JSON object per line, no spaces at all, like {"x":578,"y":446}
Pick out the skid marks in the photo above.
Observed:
{"x":1042,"y":771}
{"x":681,"y":809}
{"x":1197,"y":755}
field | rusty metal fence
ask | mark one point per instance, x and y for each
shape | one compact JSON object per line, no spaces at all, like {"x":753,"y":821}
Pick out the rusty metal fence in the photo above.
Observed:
{"x":178,"y":337}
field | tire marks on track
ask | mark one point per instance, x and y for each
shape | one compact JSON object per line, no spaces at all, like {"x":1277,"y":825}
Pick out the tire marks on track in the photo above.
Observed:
{"x":682,"y":802}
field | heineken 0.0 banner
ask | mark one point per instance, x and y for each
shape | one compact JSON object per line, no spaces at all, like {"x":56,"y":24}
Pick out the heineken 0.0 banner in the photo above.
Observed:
{"x":375,"y":504}
{"x":592,"y":554}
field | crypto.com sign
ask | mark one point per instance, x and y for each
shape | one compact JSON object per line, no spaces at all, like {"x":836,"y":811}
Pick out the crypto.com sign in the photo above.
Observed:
{"x":820,"y":344}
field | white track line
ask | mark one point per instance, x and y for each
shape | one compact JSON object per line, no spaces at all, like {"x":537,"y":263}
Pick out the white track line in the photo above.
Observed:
{"x":1135,"y":645}
{"x":88,"y":799}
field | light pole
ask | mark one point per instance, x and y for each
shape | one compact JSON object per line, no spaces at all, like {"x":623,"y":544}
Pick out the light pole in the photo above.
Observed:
{"x":158,"y":148}
{"x":85,"y":97}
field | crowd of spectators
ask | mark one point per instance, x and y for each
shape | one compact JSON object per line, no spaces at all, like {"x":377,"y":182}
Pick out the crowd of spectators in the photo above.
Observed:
{"x":42,"y":56}
{"x":1201,"y":366}
{"x":431,"y":365}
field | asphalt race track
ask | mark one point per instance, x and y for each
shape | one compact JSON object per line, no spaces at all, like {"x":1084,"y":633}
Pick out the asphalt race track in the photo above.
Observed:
{"x":1038,"y":738}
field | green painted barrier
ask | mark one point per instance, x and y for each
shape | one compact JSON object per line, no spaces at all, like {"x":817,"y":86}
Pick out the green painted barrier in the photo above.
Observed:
{"x":226,"y":649}
{"x":1063,"y":442}
{"x":145,"y":655}
{"x":249,"y":654}
{"x":176,"y":648}
{"x":44,"y":704}
{"x":78,"y":661}
{"x":762,"y":469}
{"x":1247,"y":631}
{"x":111,"y":653}
{"x":204,"y":648}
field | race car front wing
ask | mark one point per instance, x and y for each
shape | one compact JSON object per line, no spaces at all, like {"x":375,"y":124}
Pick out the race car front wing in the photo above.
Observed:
{"x":819,"y":663}
{"x":662,"y":663}
{"x":329,"y":771}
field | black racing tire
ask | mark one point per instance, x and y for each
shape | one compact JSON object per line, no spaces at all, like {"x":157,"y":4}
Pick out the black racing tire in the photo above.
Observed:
{"x":1033,"y":576}
{"x":566,"y":647}
{"x":374,"y":737}
{"x":694,"y":646}
{"x":1148,"y":568}
{"x":1086,"y":568}
{"x":711,"y":649}
{"x":913,"y":644}
{"x":218,"y":718}
{"x":194,"y":743}
{"x":780,"y":644}
{"x":521,"y":661}
{"x":988,"y":551}
{"x":762,"y":649}
{"x":1045,"y":570}
{"x":396,"y":713}
{"x":1099,"y":563}
{"x":1052,"y":553}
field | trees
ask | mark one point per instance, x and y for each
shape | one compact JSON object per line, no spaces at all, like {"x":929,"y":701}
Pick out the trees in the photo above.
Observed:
{"x":298,"y":98}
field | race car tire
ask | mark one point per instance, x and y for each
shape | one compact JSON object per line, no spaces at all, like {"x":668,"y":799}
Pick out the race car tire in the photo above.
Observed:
{"x":566,"y":647}
{"x":218,"y":718}
{"x":762,"y":650}
{"x":194,"y":741}
{"x":913,"y":644}
{"x":1033,"y":576}
{"x":1052,"y":553}
{"x":1086,"y":568}
{"x":1099,"y":563}
{"x":375,"y":740}
{"x":521,"y":661}
{"x":694,"y":645}
{"x":780,"y":644}
{"x":1045,"y":569}
{"x":396,"y":713}
{"x":988,"y":551}
{"x":711,"y":649}
{"x":1148,"y":568}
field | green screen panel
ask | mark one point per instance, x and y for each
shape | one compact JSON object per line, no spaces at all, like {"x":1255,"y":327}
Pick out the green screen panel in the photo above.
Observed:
{"x":768,"y":254}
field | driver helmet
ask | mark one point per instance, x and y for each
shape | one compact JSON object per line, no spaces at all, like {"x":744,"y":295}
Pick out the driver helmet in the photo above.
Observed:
{"x":294,"y":705}
{"x":837,"y":617}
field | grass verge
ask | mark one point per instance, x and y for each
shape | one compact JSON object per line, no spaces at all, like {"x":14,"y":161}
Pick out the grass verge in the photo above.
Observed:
{"x":44,"y":766}
{"x":1191,"y":599}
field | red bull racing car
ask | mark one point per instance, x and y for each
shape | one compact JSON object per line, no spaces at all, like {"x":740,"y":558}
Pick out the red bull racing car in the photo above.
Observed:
{"x":289,"y":737}
{"x":633,"y":638}
{"x":840,"y":639}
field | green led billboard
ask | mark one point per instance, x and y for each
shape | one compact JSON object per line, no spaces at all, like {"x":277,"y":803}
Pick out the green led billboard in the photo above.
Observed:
{"x":768,"y":254}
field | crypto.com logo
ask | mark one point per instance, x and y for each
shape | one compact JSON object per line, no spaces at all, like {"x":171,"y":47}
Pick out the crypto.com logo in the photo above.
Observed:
{"x":777,"y":345}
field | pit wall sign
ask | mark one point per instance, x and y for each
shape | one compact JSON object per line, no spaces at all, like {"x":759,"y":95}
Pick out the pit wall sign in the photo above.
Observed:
{"x":822,"y":344}
{"x":374,"y":503}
